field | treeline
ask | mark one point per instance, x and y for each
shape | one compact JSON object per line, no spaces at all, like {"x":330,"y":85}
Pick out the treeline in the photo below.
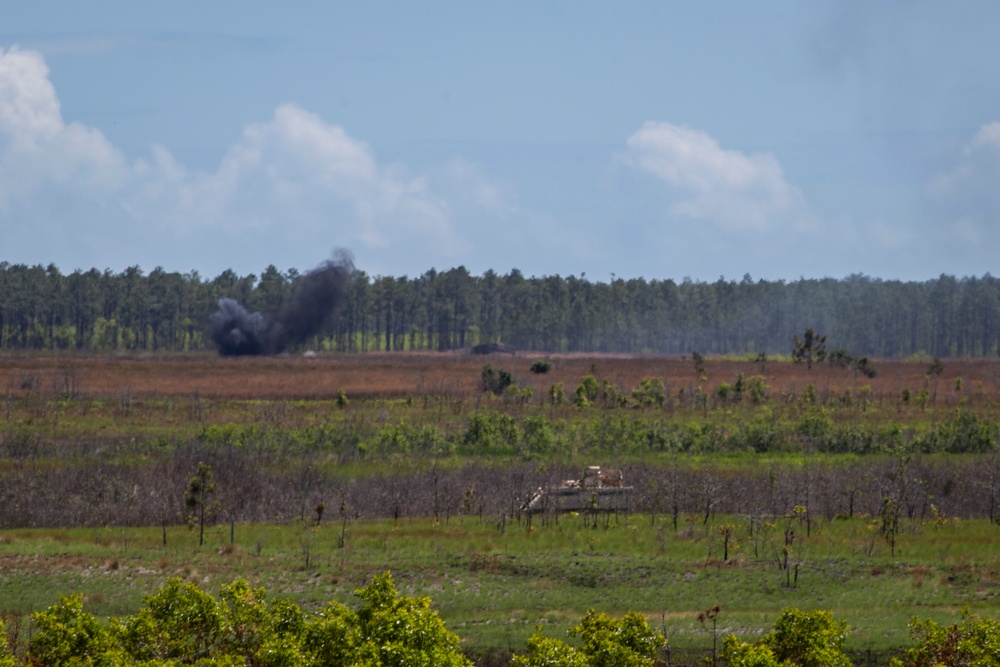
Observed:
{"x":42,"y":308}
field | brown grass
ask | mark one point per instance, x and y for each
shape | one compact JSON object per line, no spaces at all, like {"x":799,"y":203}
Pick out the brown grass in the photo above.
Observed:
{"x":123,"y":377}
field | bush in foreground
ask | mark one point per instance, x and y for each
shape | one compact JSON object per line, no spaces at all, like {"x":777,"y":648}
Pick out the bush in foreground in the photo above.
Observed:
{"x":607,"y":642}
{"x":975,"y":642}
{"x":799,"y":639}
{"x":182,"y":625}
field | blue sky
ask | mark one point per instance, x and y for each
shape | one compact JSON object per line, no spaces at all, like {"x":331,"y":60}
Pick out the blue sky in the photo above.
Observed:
{"x":638,"y":139}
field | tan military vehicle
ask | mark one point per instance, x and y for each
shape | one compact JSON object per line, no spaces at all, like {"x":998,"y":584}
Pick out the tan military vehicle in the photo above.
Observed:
{"x":596,"y":491}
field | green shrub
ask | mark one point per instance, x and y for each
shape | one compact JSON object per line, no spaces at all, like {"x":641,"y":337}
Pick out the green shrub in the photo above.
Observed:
{"x":799,"y":639}
{"x":490,"y":432}
{"x":386,"y":631}
{"x":588,"y":390}
{"x":815,"y":423}
{"x":760,"y":434}
{"x":180,"y":624}
{"x":67,"y":635}
{"x":541,"y":366}
{"x":745,"y":654}
{"x":839,"y":358}
{"x":808,"y":639}
{"x":557,"y":395}
{"x":758,"y":389}
{"x":606,"y":642}
{"x":974,"y":642}
{"x":964,"y":433}
{"x":651,"y":393}
{"x":495,"y":380}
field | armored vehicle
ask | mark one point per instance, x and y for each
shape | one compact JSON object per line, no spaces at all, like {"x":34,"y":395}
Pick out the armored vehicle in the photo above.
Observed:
{"x":596,"y":491}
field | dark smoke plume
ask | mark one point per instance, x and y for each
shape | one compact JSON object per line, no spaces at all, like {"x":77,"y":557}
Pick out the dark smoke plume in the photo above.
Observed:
{"x":315,"y":296}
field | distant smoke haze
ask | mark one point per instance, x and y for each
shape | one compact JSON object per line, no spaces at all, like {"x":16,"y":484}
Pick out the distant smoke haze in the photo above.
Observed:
{"x":315,"y":297}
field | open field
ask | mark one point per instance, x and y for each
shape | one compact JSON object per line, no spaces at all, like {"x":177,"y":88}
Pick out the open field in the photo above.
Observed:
{"x":72,"y":398}
{"x":896,"y":477}
{"x":394,"y":375}
{"x":493,"y":587}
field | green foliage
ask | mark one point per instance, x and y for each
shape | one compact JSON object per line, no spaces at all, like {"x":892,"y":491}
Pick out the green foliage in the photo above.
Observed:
{"x":403,"y":439}
{"x":181,"y":624}
{"x":799,"y":639}
{"x":739,"y":387}
{"x":758,"y":389}
{"x":606,"y":642}
{"x":745,"y":654}
{"x":44,"y":309}
{"x":488,"y":431}
{"x":808,"y":639}
{"x":539,"y":435}
{"x":67,"y":635}
{"x":698,"y":361}
{"x":7,"y":658}
{"x":611,"y":395}
{"x":811,"y":349}
{"x":815,"y":423}
{"x":514,"y":395}
{"x":541,"y":366}
{"x":975,"y":642}
{"x":865,"y":367}
{"x":651,"y":393}
{"x":965,"y":433}
{"x":404,"y":631}
{"x":547,"y":652}
{"x":839,"y":358}
{"x":760,"y":434}
{"x":587,"y":391}
{"x":388,"y":630}
{"x":495,"y":380}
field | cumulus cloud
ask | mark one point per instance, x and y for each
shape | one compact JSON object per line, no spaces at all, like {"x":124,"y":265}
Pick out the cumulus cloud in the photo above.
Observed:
{"x":38,"y":151}
{"x":291,"y":176}
{"x":295,"y":166}
{"x":965,"y":198}
{"x":709,"y":183}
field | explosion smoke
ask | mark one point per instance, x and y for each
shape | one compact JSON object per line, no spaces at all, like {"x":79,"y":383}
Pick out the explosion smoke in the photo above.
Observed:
{"x":315,"y":296}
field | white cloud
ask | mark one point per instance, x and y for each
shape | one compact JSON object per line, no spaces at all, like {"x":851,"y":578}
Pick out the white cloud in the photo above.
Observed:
{"x":38,"y":151}
{"x":292,"y":176}
{"x":731,"y":189}
{"x":964,"y":200}
{"x":295,"y":166}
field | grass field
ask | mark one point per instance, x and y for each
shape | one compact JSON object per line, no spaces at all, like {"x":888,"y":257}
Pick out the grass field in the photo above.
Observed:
{"x":492,"y":576}
{"x":493,"y":587}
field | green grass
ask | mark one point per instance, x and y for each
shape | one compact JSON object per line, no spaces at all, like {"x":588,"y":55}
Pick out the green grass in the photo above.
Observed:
{"x":494,"y":587}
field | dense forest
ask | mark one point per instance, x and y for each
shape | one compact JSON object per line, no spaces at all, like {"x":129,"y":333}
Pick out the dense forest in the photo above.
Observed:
{"x":42,"y":308}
